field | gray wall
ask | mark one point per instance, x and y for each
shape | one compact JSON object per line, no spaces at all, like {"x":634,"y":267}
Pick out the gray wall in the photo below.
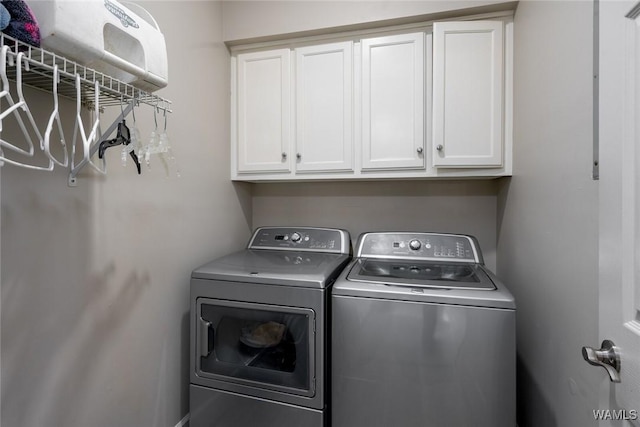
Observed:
{"x":95,"y":279}
{"x":447,"y":206}
{"x":548,"y":215}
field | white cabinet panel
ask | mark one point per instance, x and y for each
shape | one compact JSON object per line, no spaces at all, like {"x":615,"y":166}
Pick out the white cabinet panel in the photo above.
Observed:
{"x":324,"y":107}
{"x":468,"y":67}
{"x":432,"y":103}
{"x":263,"y":111}
{"x":393,"y":102}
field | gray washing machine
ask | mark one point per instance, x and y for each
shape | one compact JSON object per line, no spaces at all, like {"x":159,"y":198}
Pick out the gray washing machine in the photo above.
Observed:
{"x":422,"y":335}
{"x":259,"y":327}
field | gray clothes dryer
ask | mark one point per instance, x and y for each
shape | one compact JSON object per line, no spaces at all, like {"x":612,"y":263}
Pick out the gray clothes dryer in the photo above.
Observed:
{"x":259,"y":327}
{"x":422,"y":335}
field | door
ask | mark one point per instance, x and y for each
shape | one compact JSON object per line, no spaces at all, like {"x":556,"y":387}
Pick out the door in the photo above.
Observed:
{"x":263,"y":111}
{"x":324,"y":107}
{"x":258,"y":346}
{"x":468,"y":87}
{"x":619,"y":206}
{"x":393,"y":102}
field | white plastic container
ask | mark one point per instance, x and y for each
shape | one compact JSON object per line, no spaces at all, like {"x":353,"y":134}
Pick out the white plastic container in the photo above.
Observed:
{"x":122,"y":41}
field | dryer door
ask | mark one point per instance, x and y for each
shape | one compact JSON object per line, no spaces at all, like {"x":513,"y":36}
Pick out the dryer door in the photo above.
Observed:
{"x":256,"y":346}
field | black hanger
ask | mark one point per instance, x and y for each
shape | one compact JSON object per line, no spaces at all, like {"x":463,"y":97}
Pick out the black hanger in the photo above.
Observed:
{"x":122,"y":138}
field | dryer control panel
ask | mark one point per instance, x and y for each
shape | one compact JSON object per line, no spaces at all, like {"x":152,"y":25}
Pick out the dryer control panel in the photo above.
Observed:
{"x":302,"y":239}
{"x":422,"y":246}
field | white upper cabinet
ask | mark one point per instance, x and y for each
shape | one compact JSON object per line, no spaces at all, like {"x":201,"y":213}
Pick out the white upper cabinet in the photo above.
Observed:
{"x":468,"y":94}
{"x":393,"y":107}
{"x":324,"y":107}
{"x":424,"y":100}
{"x":262,"y":108}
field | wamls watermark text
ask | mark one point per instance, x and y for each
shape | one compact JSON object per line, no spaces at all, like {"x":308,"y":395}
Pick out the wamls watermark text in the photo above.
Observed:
{"x":615,"y":414}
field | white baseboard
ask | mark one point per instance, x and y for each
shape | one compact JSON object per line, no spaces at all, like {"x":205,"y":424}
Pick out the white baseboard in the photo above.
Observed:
{"x":184,"y":422}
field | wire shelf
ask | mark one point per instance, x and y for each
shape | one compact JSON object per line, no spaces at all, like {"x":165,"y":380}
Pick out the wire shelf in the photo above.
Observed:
{"x":40,"y":76}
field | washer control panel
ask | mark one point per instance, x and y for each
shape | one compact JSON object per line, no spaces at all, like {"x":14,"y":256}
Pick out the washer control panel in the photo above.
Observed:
{"x":301,"y":239}
{"x":424,"y":246}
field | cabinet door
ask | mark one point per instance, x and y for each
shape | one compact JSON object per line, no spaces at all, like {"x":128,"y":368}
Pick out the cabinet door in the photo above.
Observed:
{"x":324,"y":107}
{"x":393,"y":102}
{"x":468,"y":94}
{"x":263,"y":111}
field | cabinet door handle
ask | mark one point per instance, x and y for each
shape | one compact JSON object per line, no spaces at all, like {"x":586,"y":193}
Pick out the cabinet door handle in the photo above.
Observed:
{"x":439,"y":147}
{"x":284,"y":156}
{"x":419,"y":150}
{"x":299,"y":156}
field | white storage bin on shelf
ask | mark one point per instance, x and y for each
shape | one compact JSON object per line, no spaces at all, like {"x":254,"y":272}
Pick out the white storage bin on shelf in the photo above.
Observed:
{"x":120,"y":40}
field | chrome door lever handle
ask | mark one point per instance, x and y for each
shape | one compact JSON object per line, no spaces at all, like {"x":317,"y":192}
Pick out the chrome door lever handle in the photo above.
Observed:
{"x":607,"y":357}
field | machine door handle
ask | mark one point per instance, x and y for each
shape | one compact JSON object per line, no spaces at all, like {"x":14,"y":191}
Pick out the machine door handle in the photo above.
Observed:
{"x":608,"y":357}
{"x":205,"y":336}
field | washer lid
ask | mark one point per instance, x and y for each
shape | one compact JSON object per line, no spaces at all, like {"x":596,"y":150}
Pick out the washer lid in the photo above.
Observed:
{"x":430,"y":292}
{"x":275,"y":267}
{"x":417,"y":274}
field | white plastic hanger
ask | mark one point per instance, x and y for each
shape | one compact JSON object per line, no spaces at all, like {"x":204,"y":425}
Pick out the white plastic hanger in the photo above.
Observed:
{"x":95,"y":134}
{"x":55,"y":117}
{"x":21,"y":100}
{"x":124,"y":152}
{"x":151,"y":147}
{"x":166,"y":147}
{"x":159,"y":144}
{"x":136,"y":138}
{"x":134,"y":148}
{"x":12,"y":107}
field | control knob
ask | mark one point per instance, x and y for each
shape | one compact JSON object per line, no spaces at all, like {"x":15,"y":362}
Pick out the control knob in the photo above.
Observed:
{"x":415,"y":244}
{"x":295,"y":237}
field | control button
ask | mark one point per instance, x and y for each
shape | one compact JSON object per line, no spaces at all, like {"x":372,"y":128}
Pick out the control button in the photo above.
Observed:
{"x":286,"y":237}
{"x":295,"y":237}
{"x":415,"y":244}
{"x":306,"y":238}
